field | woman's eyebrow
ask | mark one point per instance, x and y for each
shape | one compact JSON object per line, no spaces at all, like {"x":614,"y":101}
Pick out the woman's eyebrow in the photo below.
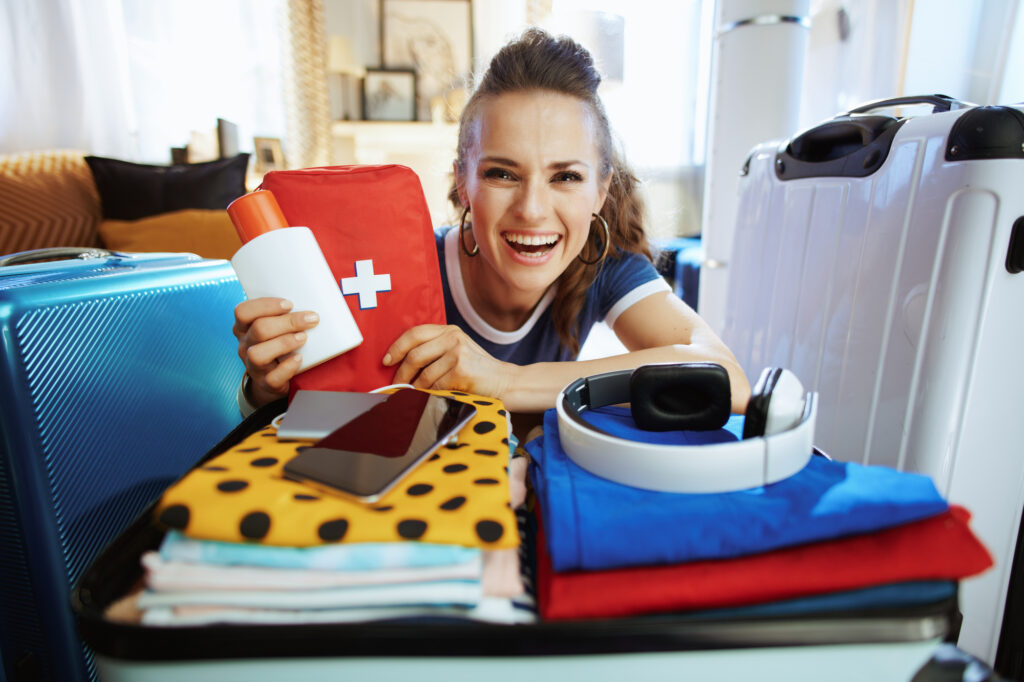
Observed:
{"x":500,"y":160}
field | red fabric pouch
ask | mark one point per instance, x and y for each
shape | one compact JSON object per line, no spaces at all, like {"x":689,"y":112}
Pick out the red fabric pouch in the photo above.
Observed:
{"x":370,"y":222}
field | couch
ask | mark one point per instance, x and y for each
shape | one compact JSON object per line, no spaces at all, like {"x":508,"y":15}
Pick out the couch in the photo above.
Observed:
{"x":57,"y":198}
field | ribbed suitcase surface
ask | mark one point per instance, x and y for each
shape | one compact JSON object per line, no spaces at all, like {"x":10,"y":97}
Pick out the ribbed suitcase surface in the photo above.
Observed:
{"x":118,"y":373}
{"x":878,"y":258}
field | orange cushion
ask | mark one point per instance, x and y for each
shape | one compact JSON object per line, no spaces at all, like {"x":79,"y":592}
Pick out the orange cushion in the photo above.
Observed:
{"x":46,"y":199}
{"x":204,"y":232}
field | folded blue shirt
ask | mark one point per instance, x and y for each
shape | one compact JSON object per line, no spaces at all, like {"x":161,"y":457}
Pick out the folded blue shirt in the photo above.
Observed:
{"x":592,"y":523}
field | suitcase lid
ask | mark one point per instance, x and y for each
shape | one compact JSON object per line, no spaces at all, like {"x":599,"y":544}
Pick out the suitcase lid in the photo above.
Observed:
{"x":75,"y":270}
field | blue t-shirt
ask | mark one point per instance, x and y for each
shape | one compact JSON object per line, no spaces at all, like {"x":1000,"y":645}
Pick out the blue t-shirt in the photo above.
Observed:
{"x":620,"y":283}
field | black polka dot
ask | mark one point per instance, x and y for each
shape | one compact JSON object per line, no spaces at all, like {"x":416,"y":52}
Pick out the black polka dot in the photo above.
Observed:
{"x":254,"y":525}
{"x":411,"y":529}
{"x":419,"y":489}
{"x":214,"y":468}
{"x":232,"y":486}
{"x":385,"y":508}
{"x":489,"y":531}
{"x":248,"y":449}
{"x":483,"y":427}
{"x":487,"y":481}
{"x":454,"y":503}
{"x":502,"y":412}
{"x":457,"y":393}
{"x":269,"y":434}
{"x":434,"y":457}
{"x":504,"y":441}
{"x":488,"y":453}
{"x":456,"y":446}
{"x":332,"y":531}
{"x":264,"y":462}
{"x":455,"y":468}
{"x":482,"y":402}
{"x":302,"y":497}
{"x":176,"y":516}
{"x":303,"y":448}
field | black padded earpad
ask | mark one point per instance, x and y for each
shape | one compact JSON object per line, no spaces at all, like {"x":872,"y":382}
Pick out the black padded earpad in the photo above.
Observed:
{"x":760,"y":398}
{"x":694,"y":396}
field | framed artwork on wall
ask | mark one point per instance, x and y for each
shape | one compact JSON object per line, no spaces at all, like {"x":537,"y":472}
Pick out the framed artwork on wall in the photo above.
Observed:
{"x":269,"y":154}
{"x":389,"y":95}
{"x":432,"y":37}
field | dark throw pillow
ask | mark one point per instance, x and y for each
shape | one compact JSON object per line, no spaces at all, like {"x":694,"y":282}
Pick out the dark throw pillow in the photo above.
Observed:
{"x":130,"y":191}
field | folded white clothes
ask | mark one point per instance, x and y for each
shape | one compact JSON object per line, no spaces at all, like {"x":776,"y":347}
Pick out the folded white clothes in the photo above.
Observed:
{"x":363,"y":556}
{"x":488,"y":610}
{"x":178,"y":576}
{"x":433,"y":593}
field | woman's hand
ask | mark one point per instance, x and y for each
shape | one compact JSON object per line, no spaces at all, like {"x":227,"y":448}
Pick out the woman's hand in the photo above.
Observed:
{"x":269,"y":337}
{"x":436,"y":356}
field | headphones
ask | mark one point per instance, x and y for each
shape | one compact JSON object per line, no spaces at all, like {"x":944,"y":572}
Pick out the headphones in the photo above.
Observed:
{"x":778,"y":429}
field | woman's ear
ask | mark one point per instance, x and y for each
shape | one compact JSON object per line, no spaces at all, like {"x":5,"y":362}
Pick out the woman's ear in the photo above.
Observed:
{"x":602,"y":193}
{"x":460,"y":184}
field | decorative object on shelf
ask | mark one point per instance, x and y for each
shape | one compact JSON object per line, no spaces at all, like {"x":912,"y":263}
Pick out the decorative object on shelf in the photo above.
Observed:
{"x":269,"y":154}
{"x":389,"y":95}
{"x":227,"y":139}
{"x":344,"y":75}
{"x":433,"y":37}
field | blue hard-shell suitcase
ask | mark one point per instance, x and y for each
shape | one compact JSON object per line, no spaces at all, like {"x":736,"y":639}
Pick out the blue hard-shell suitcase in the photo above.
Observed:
{"x":118,"y":373}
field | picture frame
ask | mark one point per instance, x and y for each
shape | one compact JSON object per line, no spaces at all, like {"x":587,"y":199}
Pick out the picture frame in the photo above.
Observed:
{"x":268,"y":153}
{"x":389,"y":95}
{"x":433,"y":37}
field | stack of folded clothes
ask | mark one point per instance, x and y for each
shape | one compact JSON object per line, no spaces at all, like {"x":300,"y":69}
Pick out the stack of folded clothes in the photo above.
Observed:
{"x":247,"y":545}
{"x":837,"y":536}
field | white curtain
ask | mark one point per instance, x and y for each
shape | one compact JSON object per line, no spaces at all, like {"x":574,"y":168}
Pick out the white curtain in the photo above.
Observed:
{"x":64,"y":81}
{"x":132,"y":78}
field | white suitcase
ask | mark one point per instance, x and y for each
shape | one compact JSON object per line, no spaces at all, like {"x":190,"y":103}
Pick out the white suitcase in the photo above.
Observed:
{"x":879,"y":258}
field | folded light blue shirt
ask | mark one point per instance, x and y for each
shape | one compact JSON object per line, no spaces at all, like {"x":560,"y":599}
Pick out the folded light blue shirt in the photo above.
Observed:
{"x":592,"y":523}
{"x":355,"y":556}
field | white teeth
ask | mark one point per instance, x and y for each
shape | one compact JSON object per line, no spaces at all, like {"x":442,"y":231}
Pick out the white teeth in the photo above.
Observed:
{"x":531,"y":239}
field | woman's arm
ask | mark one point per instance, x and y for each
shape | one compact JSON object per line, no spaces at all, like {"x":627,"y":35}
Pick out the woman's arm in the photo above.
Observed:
{"x":658,"y":328}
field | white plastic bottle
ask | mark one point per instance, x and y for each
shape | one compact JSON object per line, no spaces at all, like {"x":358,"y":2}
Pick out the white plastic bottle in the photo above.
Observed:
{"x":286,"y":262}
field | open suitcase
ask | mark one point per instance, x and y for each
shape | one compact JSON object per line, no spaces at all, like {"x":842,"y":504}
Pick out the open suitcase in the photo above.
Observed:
{"x":879,"y":258}
{"x":879,"y":644}
{"x":118,"y":373}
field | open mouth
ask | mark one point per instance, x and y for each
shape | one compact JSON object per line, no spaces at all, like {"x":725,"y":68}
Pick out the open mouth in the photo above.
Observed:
{"x":531,"y":245}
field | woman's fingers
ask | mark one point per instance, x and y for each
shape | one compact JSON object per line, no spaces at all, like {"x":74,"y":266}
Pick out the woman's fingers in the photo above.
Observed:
{"x":278,"y":379}
{"x":265,"y":355}
{"x":269,"y":338}
{"x":415,"y":349}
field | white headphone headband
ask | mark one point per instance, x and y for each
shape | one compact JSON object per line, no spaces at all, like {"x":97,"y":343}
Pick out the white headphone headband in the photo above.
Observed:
{"x":711,"y":468}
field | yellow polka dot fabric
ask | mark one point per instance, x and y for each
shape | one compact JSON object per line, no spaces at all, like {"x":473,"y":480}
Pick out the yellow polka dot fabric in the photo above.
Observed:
{"x":459,"y":495}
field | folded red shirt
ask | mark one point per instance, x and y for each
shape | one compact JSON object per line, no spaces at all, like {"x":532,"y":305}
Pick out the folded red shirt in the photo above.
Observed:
{"x":937,"y":548}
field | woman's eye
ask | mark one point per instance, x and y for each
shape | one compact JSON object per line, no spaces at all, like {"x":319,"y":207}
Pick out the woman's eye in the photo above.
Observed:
{"x":497,"y":174}
{"x":568,"y":176}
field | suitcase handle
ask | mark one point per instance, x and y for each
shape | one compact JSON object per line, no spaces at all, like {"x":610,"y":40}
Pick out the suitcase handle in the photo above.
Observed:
{"x":55,"y":253}
{"x":939,"y":103}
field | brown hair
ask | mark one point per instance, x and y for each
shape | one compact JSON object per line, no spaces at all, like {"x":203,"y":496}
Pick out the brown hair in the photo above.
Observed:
{"x":539,"y":61}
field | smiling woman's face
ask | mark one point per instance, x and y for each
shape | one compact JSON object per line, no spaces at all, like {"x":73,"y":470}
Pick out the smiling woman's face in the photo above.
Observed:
{"x":532,"y":179}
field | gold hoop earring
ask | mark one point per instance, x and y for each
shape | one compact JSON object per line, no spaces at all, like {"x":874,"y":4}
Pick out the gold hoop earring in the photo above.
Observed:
{"x":462,"y":232}
{"x":607,"y":242}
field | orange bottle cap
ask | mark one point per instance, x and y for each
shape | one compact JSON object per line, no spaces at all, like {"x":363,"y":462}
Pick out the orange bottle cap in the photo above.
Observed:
{"x":256,"y":213}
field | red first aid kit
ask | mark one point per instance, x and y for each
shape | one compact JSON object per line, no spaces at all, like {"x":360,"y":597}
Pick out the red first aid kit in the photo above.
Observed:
{"x":373,"y":227}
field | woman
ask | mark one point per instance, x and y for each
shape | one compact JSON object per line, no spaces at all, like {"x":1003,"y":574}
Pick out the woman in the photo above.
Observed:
{"x":551,"y":242}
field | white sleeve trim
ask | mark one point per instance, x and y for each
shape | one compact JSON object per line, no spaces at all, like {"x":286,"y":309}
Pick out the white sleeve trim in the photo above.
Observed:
{"x":646,"y":289}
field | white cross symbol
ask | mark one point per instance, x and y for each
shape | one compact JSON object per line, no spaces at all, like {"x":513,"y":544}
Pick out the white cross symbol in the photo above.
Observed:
{"x":365,"y":284}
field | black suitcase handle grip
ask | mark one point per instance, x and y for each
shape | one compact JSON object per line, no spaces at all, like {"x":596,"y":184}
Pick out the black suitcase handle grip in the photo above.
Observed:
{"x":939,"y":103}
{"x":55,"y":253}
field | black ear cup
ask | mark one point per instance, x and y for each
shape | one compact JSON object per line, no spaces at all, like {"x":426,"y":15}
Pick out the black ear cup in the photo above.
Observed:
{"x":776,"y":403}
{"x":690,"y":396}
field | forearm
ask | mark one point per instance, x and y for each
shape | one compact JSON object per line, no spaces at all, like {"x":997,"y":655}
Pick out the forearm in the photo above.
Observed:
{"x":534,"y":388}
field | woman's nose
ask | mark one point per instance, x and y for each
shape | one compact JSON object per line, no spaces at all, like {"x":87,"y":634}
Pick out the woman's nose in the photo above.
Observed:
{"x":533,"y":201}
